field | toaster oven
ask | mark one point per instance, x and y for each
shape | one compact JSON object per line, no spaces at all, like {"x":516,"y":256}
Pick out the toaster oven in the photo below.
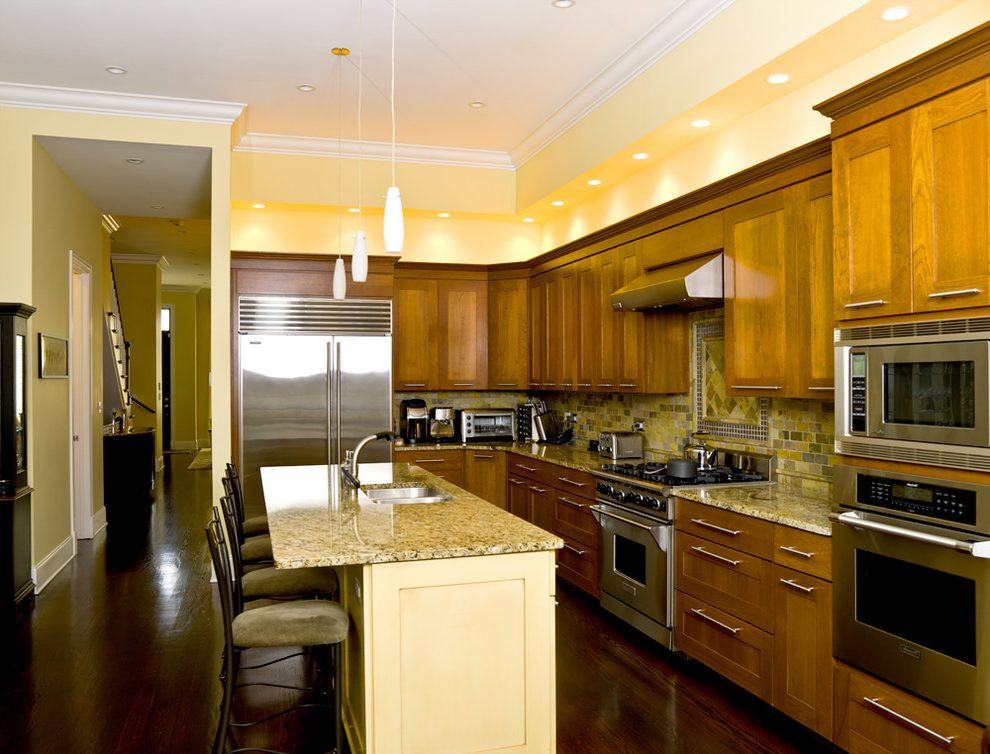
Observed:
{"x":488,"y":425}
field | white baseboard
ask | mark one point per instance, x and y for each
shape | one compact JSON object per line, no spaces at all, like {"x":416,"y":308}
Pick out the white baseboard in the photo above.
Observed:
{"x":99,"y":521}
{"x":159,"y":463}
{"x":49,"y":566}
{"x":184,"y":445}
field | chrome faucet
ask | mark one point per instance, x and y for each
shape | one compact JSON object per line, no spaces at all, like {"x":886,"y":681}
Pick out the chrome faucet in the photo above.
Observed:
{"x":350,"y":465}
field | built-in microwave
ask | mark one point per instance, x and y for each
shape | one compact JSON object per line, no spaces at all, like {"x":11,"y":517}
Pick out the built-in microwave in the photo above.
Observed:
{"x":917,"y":391}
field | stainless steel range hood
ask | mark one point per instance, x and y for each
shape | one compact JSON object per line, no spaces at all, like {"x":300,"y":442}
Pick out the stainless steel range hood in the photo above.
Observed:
{"x":692,"y":284}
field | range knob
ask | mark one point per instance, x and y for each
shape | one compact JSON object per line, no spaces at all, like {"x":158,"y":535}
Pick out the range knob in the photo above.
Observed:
{"x":635,"y":497}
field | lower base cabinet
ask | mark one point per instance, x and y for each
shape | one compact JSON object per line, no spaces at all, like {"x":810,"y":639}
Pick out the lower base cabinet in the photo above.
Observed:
{"x":578,"y":565}
{"x":873,"y":717}
{"x":484,"y":475}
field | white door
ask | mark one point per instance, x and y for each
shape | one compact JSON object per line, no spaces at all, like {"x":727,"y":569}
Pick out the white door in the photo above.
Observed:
{"x":81,"y":349}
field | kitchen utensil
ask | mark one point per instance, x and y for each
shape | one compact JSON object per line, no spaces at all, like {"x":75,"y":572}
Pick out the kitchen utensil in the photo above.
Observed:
{"x":682,"y":468}
{"x":700,"y":452}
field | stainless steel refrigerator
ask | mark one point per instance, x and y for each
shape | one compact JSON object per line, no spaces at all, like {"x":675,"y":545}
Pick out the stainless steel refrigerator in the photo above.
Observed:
{"x":315,"y":377}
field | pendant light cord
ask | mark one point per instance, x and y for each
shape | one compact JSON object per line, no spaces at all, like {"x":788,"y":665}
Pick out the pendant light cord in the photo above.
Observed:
{"x":360,"y":100}
{"x":339,"y":97}
{"x":391,"y":96}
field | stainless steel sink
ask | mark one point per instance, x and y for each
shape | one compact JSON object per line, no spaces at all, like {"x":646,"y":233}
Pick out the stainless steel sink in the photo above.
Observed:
{"x":393,"y":495}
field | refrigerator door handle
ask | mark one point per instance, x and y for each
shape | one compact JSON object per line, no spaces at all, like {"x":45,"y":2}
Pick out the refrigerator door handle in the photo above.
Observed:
{"x":331,"y":398}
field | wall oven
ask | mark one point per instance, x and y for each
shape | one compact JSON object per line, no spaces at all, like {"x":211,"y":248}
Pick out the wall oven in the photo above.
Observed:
{"x":916,"y":391}
{"x":912,"y":583}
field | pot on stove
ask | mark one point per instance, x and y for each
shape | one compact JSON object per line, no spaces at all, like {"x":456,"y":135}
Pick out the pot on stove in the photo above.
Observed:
{"x":682,"y":468}
{"x":700,"y":452}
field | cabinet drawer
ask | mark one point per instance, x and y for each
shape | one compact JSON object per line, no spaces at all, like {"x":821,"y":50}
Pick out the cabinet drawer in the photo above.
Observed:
{"x":803,"y":551}
{"x":573,"y":520}
{"x":752,"y":535}
{"x":734,"y":581}
{"x":538,"y":471}
{"x":737,"y":650}
{"x":433,"y":460}
{"x":454,"y":476}
{"x":871,"y":716}
{"x":572,"y":481}
{"x":578,"y":564}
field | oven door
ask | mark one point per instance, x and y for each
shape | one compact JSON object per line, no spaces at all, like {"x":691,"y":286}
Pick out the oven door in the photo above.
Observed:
{"x":914,"y":610}
{"x":634,"y":564}
{"x":929,"y":392}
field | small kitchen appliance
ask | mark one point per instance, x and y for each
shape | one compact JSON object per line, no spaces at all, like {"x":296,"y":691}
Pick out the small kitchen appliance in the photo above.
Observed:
{"x":413,"y":419}
{"x":488,"y":425}
{"x":443,"y":424}
{"x":616,"y":445}
{"x":635,"y":509}
{"x":700,"y":452}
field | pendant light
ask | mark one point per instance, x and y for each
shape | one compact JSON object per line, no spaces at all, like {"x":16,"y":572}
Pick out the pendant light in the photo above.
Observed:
{"x":359,"y":257}
{"x":393,"y":229}
{"x":339,"y":275}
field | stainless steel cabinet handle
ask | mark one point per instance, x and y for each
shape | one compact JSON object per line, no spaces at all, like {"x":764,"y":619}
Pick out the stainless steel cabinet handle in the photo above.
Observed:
{"x":563,"y":499}
{"x":584,"y":384}
{"x":505,"y":384}
{"x":528,"y":468}
{"x":718,"y":558}
{"x":535,"y":384}
{"x":428,"y":460}
{"x":757,"y":387}
{"x":716,"y":527}
{"x":795,"y":585}
{"x":605,"y":384}
{"x":858,"y":304}
{"x":701,"y":614}
{"x":549,"y":384}
{"x":963,"y":292}
{"x":538,"y":489}
{"x":575,"y":550}
{"x":480,"y":455}
{"x":516,"y":481}
{"x":980,"y":549}
{"x":413,"y":384}
{"x":565,"y":480}
{"x":907,"y":722}
{"x":792,"y":551}
{"x":812,"y":387}
{"x":463,"y":384}
{"x":627,"y":384}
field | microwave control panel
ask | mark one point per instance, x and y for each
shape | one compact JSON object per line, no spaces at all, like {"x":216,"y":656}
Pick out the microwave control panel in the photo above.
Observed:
{"x":857,"y":393}
{"x":917,"y":498}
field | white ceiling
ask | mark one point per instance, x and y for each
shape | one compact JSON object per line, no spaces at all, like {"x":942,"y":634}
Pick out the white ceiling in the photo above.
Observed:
{"x":185,"y":245}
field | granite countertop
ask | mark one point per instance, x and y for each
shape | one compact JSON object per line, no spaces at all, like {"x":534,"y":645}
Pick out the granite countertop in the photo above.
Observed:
{"x":316,"y":521}
{"x":570,"y":456}
{"x":771,"y":502}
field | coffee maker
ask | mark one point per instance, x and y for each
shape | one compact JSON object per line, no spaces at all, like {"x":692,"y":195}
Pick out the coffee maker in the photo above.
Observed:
{"x":413,"y":421}
{"x":443,"y":424}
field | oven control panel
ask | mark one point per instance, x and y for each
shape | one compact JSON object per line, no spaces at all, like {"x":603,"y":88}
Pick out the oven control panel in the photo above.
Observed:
{"x":857,"y":393}
{"x":616,"y":492}
{"x":917,"y":498}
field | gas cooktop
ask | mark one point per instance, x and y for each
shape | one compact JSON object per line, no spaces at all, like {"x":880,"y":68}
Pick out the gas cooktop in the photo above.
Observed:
{"x":655,"y":473}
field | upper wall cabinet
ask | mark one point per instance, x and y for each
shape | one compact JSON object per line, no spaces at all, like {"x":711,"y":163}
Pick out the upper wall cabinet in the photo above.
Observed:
{"x":414,"y":334}
{"x":694,"y":238}
{"x":508,"y":334}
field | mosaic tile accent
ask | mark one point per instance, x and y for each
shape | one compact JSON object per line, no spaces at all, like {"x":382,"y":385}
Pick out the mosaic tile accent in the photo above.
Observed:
{"x":719,"y":414}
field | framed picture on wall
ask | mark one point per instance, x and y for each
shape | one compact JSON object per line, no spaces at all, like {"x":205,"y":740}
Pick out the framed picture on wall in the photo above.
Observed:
{"x":53,"y":357}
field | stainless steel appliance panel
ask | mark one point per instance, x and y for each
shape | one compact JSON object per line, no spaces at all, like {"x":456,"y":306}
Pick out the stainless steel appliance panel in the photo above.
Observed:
{"x":283,"y":406}
{"x":361,"y":395}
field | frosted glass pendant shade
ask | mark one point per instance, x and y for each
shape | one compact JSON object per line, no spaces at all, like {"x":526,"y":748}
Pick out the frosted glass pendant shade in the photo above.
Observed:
{"x":359,"y":261}
{"x":339,"y":280}
{"x":393,"y":230}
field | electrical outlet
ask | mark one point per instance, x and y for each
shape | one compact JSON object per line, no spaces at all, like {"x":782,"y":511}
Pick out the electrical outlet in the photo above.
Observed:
{"x":570,"y":416}
{"x":639,"y":427}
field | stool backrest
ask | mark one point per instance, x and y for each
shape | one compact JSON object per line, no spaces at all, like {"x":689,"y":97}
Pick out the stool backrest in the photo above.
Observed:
{"x":221,"y":564}
{"x":235,"y":530}
{"x":237,"y":565}
{"x":236,"y":492}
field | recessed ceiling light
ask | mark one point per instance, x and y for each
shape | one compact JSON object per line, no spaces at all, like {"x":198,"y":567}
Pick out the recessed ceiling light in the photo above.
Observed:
{"x":477,"y":104}
{"x":701,"y":123}
{"x":116,"y":70}
{"x":443,"y":214}
{"x":778,"y":78}
{"x":306,"y":88}
{"x":562,"y":3}
{"x":896,"y":13}
{"x":353,"y":210}
{"x":528,"y":220}
{"x":557,"y":203}
{"x":134,"y":161}
{"x":158,"y":206}
{"x":594,"y":182}
{"x":258,"y":205}
{"x":640,"y":156}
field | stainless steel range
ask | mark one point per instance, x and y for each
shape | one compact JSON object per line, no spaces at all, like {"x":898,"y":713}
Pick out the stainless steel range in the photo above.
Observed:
{"x":636,"y":512}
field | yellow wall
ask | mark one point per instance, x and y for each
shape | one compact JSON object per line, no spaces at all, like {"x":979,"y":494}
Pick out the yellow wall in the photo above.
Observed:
{"x":18,"y":126}
{"x":428,"y":239}
{"x":62,"y":219}
{"x":184,"y":350}
{"x":139,"y":289}
{"x":203,"y":409}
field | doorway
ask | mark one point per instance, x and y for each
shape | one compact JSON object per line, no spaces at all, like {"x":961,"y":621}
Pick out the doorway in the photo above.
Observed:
{"x":81,"y":395}
{"x":166,"y":378}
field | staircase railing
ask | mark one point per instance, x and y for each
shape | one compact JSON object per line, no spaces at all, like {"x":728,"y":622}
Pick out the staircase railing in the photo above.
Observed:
{"x":118,"y":342}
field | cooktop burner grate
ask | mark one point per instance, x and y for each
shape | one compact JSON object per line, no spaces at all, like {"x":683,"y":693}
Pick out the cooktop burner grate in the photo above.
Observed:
{"x":656,"y":474}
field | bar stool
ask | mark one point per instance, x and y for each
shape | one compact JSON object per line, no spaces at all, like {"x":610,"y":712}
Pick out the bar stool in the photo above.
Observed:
{"x":256,"y":550}
{"x":270,"y":583}
{"x":318,"y":624}
{"x":250,"y":526}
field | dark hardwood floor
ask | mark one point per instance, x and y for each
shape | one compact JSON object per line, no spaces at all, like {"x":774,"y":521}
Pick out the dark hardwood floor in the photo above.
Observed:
{"x":120,"y":653}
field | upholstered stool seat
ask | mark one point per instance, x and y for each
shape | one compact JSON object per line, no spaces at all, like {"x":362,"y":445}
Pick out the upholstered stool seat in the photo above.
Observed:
{"x":257,"y":548}
{"x":288,"y":582}
{"x":306,"y":623}
{"x":255,"y":525}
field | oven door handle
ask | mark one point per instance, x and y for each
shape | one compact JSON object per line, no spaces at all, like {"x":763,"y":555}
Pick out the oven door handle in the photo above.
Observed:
{"x":979,"y":549}
{"x":659,"y":532}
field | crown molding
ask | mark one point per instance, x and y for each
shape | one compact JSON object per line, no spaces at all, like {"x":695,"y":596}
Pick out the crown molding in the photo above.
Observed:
{"x":182,"y":288}
{"x":117,"y":103}
{"x":315,"y":146}
{"x":659,"y":40}
{"x":140,"y":259}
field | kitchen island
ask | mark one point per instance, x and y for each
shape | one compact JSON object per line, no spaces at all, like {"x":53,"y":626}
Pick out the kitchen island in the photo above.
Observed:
{"x":451,"y":646}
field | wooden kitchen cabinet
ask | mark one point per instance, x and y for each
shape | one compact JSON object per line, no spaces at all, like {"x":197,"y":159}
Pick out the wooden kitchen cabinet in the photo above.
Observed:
{"x":484,"y":475}
{"x":508,"y":334}
{"x":415,"y":319}
{"x":872,"y":717}
{"x":588,"y":327}
{"x":872,"y":203}
{"x":950,"y":185}
{"x":463,"y":334}
{"x":607,"y":351}
{"x":446,"y":464}
{"x":630,"y":329}
{"x":802,"y":666}
{"x":564,"y":329}
{"x":518,"y":497}
{"x":538,"y":312}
